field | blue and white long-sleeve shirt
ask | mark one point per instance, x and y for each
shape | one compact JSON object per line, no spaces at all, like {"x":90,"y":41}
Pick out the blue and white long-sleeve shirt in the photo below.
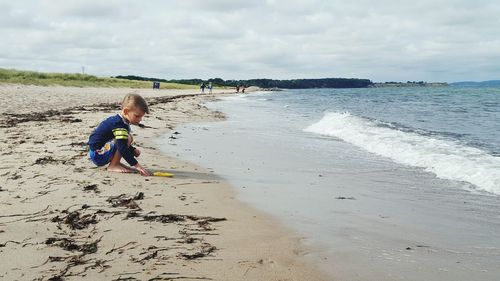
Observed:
{"x":117,"y":128}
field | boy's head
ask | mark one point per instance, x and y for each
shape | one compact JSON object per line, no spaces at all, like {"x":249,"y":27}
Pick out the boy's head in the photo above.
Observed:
{"x":133,"y":108}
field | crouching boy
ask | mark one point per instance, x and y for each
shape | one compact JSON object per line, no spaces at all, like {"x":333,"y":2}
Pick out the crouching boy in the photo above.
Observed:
{"x":111,"y":140}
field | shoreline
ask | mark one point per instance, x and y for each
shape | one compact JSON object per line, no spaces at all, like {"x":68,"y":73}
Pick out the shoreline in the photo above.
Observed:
{"x":62,"y":217}
{"x":372,"y":218}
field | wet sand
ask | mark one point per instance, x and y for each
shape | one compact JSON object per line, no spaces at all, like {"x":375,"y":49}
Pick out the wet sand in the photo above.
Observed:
{"x":61,"y":218}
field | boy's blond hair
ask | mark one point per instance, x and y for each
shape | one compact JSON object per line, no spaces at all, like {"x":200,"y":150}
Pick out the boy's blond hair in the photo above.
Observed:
{"x":131,"y":101}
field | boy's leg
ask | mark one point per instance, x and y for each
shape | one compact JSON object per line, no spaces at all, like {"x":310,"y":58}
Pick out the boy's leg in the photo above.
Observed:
{"x":115,"y":165}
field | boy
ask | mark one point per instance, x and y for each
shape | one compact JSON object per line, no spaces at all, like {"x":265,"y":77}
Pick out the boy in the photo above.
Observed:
{"x":111,"y":140}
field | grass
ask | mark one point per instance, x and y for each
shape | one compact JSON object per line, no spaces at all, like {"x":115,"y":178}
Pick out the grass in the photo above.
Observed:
{"x":14,"y":76}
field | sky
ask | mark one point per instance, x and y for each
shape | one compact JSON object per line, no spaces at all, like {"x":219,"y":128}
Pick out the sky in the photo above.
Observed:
{"x":385,"y":40}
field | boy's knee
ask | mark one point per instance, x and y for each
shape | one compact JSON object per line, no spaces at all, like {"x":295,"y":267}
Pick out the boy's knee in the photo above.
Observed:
{"x":130,"y":139}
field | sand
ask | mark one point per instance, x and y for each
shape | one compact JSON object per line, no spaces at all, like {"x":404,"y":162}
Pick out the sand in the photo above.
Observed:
{"x":62,"y":218}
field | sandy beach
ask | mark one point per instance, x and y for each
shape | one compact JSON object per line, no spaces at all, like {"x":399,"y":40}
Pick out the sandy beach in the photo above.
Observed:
{"x":62,"y":218}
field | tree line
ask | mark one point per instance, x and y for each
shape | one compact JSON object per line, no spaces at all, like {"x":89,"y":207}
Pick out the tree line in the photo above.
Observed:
{"x":267,"y":83}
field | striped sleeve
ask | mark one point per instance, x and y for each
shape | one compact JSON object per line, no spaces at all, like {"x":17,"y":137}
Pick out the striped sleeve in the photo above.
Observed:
{"x":120,"y":133}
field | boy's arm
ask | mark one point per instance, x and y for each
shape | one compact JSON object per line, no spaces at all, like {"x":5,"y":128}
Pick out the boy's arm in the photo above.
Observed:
{"x":121,"y":141}
{"x":136,"y":152}
{"x":126,"y":151}
{"x":132,"y":149}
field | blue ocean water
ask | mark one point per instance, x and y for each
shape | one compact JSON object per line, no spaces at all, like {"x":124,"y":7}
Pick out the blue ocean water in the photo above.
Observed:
{"x":367,"y":174}
{"x":452,"y":132}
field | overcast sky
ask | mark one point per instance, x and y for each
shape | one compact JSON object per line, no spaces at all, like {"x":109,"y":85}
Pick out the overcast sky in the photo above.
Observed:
{"x":385,"y":40}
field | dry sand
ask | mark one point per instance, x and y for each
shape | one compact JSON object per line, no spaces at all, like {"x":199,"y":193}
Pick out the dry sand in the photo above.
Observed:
{"x":61,"y":218}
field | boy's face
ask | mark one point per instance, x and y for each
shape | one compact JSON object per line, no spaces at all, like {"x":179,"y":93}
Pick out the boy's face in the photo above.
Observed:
{"x":133,"y":115}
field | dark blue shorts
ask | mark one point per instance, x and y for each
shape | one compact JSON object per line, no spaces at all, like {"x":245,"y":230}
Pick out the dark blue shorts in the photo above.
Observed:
{"x":103,"y":156}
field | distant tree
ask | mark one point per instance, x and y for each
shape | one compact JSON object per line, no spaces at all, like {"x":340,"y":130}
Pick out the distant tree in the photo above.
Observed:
{"x":269,"y":83}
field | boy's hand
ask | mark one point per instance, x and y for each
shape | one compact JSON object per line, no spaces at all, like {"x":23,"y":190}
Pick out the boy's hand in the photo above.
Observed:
{"x":141,"y":170}
{"x":137,"y":152}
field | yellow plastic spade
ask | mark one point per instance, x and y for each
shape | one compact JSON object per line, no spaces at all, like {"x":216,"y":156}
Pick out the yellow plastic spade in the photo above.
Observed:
{"x":163,"y":174}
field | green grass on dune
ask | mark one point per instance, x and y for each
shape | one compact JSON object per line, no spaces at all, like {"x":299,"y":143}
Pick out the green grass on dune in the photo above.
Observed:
{"x":77,"y":80}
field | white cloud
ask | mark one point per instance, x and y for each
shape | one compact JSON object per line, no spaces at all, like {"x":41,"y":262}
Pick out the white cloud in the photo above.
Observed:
{"x":383,"y":40}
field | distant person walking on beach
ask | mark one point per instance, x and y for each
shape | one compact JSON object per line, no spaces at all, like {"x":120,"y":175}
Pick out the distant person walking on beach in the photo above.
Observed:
{"x":243,"y":89}
{"x":237,"y":88}
{"x":209,"y":87}
{"x":111,"y":140}
{"x":202,"y":87}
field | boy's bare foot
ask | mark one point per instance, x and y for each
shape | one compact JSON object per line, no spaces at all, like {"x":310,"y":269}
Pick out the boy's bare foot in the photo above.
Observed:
{"x":119,"y":169}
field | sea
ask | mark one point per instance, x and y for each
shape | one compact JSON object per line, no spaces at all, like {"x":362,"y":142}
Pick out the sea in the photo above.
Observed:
{"x":380,"y":183}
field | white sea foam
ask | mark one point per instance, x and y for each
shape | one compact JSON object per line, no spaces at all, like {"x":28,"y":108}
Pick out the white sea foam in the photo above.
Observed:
{"x":447,"y":159}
